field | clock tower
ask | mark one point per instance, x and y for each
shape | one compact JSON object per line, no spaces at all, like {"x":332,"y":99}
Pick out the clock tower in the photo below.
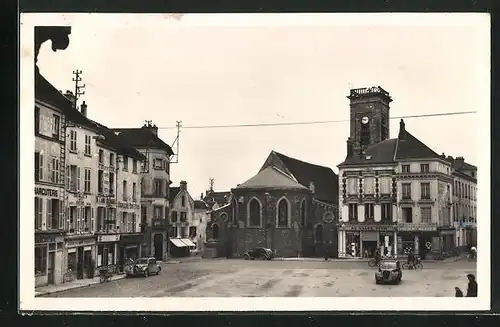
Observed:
{"x":369,"y":116}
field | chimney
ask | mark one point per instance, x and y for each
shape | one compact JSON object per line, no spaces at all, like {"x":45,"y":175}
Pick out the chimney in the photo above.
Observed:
{"x":183,"y":185}
{"x":402,"y":130}
{"x":152,"y":128}
{"x":350,"y":147}
{"x":83,"y":109}
{"x":70,"y":96}
{"x":460,"y":162}
{"x":311,"y":187}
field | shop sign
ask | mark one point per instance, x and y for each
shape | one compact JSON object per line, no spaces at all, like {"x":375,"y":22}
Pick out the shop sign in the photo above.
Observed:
{"x":108,"y":238}
{"x":447,"y":232}
{"x":367,"y":228}
{"x":45,"y":238}
{"x":81,"y":242}
{"x":129,"y":239}
{"x":128,"y":205}
{"x":46,"y":192}
{"x":101,"y":199}
{"x":417,"y":228}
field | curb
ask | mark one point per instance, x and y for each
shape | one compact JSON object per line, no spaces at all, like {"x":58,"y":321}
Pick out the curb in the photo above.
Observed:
{"x":41,"y":294}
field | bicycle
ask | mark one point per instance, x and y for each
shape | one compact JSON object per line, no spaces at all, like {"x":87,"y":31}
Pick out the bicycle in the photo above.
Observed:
{"x":471,"y":257}
{"x":417,"y":265}
{"x":372,"y":262}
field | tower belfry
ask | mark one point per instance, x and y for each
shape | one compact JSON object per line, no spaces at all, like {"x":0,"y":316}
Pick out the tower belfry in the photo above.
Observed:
{"x":369,"y":117}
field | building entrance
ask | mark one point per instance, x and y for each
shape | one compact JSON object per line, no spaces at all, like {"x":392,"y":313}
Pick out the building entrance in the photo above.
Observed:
{"x":79,"y":263}
{"x":158,"y":243}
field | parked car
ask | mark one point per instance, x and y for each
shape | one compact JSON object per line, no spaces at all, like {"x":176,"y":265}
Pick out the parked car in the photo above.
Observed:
{"x":389,"y":271}
{"x":259,"y":253}
{"x":142,"y":267}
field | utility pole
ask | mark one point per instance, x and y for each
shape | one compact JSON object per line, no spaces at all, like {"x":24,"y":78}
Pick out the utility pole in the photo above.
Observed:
{"x":176,"y":142}
{"x":77,"y":79}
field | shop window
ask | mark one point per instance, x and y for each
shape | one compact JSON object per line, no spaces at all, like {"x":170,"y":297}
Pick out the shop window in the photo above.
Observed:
{"x":407,"y":215}
{"x":215,"y":231}
{"x":406,"y":191}
{"x":353,"y":212}
{"x":192,"y":231}
{"x":255,"y":215}
{"x":40,"y":260}
{"x":72,"y":261}
{"x":283,"y":213}
{"x":318,"y":234}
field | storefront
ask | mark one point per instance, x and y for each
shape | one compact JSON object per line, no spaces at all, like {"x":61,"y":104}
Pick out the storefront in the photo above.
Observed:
{"x":130,"y":247}
{"x":48,"y":258}
{"x":447,"y":240}
{"x":80,"y":254}
{"x":357,"y":240}
{"x":107,"y":250}
{"x":421,"y":238}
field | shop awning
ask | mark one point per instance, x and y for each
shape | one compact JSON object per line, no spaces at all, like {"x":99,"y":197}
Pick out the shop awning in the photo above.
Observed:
{"x":188,"y":242}
{"x":178,"y":243}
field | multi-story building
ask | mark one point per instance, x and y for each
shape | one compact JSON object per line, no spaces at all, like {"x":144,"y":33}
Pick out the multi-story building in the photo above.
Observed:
{"x":200,"y":224}
{"x":183,"y":231}
{"x":394,"y":193}
{"x":464,"y":201}
{"x":154,"y":186}
{"x":118,"y":197}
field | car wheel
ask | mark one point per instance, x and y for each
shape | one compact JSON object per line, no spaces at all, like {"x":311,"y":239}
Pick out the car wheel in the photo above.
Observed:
{"x":158,"y":271}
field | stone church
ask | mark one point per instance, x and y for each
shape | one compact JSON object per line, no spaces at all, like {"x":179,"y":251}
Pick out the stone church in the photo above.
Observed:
{"x":290,"y":206}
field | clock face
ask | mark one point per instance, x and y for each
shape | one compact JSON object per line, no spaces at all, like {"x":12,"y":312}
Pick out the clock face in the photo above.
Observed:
{"x":365,"y":120}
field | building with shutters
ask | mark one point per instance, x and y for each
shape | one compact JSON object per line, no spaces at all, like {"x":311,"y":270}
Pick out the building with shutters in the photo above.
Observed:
{"x":154,"y":186}
{"x":464,"y":202}
{"x":395,"y":193}
{"x":182,"y":219}
{"x":289,"y":206}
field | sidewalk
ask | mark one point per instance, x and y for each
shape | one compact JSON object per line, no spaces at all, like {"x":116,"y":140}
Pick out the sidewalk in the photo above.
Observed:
{"x":51,"y":289}
{"x":181,"y":260}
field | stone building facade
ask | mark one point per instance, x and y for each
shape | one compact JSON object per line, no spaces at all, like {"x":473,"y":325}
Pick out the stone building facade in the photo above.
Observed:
{"x":154,"y":185}
{"x":274,"y":209}
{"x":464,"y":202}
{"x":395,"y":193}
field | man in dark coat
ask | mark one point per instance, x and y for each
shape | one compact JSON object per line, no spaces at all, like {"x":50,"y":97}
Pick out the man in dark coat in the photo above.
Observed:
{"x":472,"y":286}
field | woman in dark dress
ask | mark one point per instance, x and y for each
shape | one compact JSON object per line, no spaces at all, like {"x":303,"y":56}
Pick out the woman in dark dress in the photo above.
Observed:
{"x":472,"y":286}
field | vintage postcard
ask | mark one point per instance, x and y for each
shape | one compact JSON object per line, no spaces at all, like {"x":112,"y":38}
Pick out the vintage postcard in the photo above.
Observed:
{"x":283,"y":162}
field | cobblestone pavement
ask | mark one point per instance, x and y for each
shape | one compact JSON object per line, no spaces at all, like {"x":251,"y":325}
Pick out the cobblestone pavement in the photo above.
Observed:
{"x":220,"y":277}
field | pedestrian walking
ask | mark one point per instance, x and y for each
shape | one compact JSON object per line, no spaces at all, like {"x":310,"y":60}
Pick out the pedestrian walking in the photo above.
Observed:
{"x":472,"y":286}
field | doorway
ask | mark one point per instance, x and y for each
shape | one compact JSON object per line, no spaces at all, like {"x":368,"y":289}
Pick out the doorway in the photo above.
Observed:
{"x":79,"y":263}
{"x":158,"y":243}
{"x":51,"y":268}
{"x":369,"y":248}
{"x":87,"y":263}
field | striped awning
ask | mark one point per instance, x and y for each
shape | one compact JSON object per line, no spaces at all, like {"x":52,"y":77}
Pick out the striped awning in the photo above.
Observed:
{"x":188,"y":242}
{"x":178,"y":243}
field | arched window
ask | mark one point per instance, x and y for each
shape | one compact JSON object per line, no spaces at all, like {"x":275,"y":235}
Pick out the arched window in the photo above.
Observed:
{"x":234,"y":212}
{"x":254,"y":210}
{"x":283,"y":213}
{"x":303,"y":213}
{"x":215,"y":231}
{"x":318,"y":234}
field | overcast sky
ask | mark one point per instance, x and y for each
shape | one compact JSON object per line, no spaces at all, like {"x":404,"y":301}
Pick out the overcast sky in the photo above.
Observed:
{"x":206,"y":70}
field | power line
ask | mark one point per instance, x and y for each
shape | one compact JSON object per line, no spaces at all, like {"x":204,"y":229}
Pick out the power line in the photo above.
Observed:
{"x":316,"y":122}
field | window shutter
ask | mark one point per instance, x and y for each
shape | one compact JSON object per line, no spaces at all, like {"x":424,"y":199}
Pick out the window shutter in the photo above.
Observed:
{"x":92,"y":220}
{"x":78,"y":178}
{"x":67,"y":177}
{"x":61,"y":215}
{"x":41,"y":167}
{"x":48,"y":218}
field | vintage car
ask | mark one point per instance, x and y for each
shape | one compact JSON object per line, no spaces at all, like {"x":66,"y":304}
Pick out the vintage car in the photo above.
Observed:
{"x":142,"y":267}
{"x":389,"y":271}
{"x":259,"y":253}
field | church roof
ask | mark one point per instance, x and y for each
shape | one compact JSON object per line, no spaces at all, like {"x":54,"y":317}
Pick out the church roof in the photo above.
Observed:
{"x":271,"y":178}
{"x":404,"y":147}
{"x":324,"y":178}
